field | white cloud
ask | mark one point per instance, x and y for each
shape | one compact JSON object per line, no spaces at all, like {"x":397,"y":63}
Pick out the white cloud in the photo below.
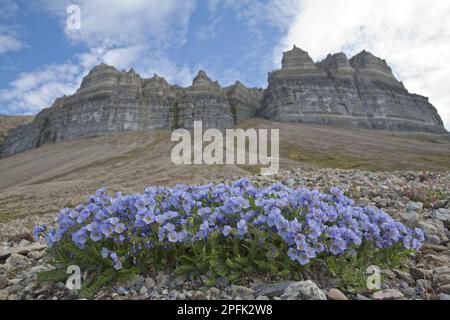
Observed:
{"x":132,"y":57}
{"x":9,"y":10}
{"x":124,"y":34}
{"x":211,"y":30}
{"x":9,"y":43}
{"x":118,"y":23}
{"x":276,"y":13}
{"x":33,"y":91}
{"x":412,"y":35}
{"x":9,"y":36}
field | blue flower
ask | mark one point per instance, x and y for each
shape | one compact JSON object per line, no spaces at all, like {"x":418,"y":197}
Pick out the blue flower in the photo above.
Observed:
{"x":149,"y":218}
{"x":204,"y":211}
{"x":169,"y":227}
{"x":114,"y":220}
{"x":107,"y":229}
{"x":226,"y":231}
{"x":105,"y":252}
{"x":242,"y":228}
{"x":96,"y":233}
{"x":182,"y":235}
{"x":161,"y":219}
{"x":309,"y":223}
{"x":113,"y":256}
{"x":172,"y":237}
{"x":39,"y":231}
{"x":80,"y":237}
{"x":119,"y":228}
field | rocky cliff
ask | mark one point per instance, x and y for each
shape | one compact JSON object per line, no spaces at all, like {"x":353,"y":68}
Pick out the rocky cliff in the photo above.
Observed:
{"x":9,"y":122}
{"x":361,"y":92}
{"x":110,"y":101}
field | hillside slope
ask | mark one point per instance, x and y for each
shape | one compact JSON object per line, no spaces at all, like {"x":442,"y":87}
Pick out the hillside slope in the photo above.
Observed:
{"x":54,"y":176}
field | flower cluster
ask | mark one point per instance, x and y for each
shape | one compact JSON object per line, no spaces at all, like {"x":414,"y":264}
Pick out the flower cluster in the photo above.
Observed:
{"x":309,"y":223}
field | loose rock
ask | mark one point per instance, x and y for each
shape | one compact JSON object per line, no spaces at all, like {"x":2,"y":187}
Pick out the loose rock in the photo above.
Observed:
{"x":389,"y":294}
{"x":304,"y":290}
{"x":335,"y":294}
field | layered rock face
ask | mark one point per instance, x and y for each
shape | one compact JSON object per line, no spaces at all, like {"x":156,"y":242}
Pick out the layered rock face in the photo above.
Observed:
{"x":361,"y":92}
{"x":109,"y":101}
{"x":358,"y":93}
{"x":9,"y":122}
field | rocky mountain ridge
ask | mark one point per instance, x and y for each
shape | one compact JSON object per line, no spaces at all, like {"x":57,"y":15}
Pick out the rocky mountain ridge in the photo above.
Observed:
{"x":9,"y":122}
{"x":361,"y":92}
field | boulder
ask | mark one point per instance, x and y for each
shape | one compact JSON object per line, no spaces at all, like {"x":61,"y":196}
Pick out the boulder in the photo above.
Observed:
{"x":304,"y":290}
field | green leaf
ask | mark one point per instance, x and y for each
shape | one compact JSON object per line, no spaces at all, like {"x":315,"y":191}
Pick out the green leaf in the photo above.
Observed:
{"x":52,"y":276}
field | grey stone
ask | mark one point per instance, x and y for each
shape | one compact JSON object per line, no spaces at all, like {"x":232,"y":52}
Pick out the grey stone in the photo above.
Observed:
{"x":5,"y":253}
{"x":143,"y":290}
{"x":15,"y":281}
{"x":433,"y":239}
{"x":198,"y":295}
{"x":3,"y":282}
{"x":439,"y":204}
{"x":414,"y":206}
{"x":442,"y":214}
{"x":242,"y":291}
{"x":444,"y":289}
{"x":441,"y":270}
{"x":335,"y":294}
{"x":410,"y":218}
{"x":423,"y":286}
{"x":441,"y":231}
{"x":36,"y":255}
{"x":16,"y":260}
{"x":173,"y":294}
{"x":214,"y":292}
{"x":441,"y":276}
{"x":149,"y":283}
{"x":434,"y":247}
{"x":389,"y":273}
{"x":431,"y":233}
{"x":304,"y":290}
{"x":136,"y":283}
{"x":4,"y":294}
{"x":405,"y":277}
{"x":290,"y":182}
{"x":179,"y":281}
{"x":444,"y":296}
{"x":273,"y":289}
{"x":122,"y":291}
{"x":15,"y":288}
{"x":437,"y":259}
{"x":30,"y":287}
{"x":162,"y":279}
{"x":388,"y":294}
{"x":418,"y":273}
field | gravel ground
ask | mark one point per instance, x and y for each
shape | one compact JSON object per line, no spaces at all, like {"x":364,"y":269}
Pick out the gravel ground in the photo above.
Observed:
{"x":418,"y":199}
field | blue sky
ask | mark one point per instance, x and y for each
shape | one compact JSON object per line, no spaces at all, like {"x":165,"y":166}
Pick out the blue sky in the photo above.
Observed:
{"x":40,"y":59}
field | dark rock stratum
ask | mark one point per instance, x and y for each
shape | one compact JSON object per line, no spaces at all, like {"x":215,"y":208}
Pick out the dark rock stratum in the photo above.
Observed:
{"x":358,"y":93}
